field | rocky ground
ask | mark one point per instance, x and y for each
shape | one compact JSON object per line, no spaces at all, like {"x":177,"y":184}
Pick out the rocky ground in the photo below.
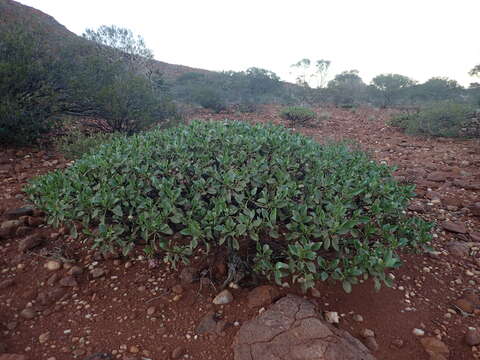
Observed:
{"x":59,"y":300}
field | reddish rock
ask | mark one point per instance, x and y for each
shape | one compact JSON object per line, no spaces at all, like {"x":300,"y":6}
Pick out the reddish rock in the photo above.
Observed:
{"x":454,"y":227}
{"x":28,"y":313}
{"x":432,"y":195}
{"x":293,"y":328}
{"x":472,"y":337}
{"x":207,"y":324}
{"x":262,"y":296}
{"x":465,"y":305}
{"x":188,"y":275}
{"x":177,"y":289}
{"x":30,"y":242}
{"x":417,"y":207}
{"x":75,"y":270}
{"x":475,"y":236}
{"x":435,"y":348}
{"x":97,"y":273}
{"x":68,"y":281}
{"x":178,"y":352}
{"x":458,"y":249}
{"x":397,"y":343}
{"x":437,"y":177}
{"x":9,"y":227}
{"x":18,"y":212}
{"x":50,"y":296}
{"x":371,"y":343}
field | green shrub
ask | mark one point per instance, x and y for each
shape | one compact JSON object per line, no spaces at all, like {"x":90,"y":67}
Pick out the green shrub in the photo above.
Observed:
{"x":298,"y":114}
{"x":247,"y":106}
{"x":77,"y":143}
{"x":442,"y":119}
{"x":348,"y":106}
{"x":27,"y":98}
{"x":209,"y":99}
{"x":106,"y":89}
{"x":279,"y":203}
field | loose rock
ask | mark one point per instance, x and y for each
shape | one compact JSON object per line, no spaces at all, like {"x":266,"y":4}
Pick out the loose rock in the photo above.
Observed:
{"x":53,"y":265}
{"x":18,"y":212}
{"x":178,"y":352}
{"x":418,"y":332}
{"x":472,"y":337}
{"x":97,"y":272}
{"x":465,"y":305}
{"x":454,"y":227}
{"x":332,"y":317}
{"x":30,"y":242}
{"x":435,"y":348}
{"x":291,"y":327}
{"x":371,"y":343}
{"x":188,"y":275}
{"x":224,"y":297}
{"x":28,"y":313}
{"x":262,"y":296}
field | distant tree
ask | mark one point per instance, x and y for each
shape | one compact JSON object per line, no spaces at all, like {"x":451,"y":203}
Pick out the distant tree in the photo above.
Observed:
{"x":302,"y":69}
{"x":123,"y":43}
{"x":474,"y":93}
{"x":475,"y":71}
{"x":347,"y":88}
{"x":322,"y":71}
{"x":261,"y":81}
{"x":390,"y":86}
{"x":437,"y":89}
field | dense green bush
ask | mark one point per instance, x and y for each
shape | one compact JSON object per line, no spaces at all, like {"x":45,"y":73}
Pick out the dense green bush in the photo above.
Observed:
{"x":298,"y":114}
{"x":278,"y":202}
{"x":37,"y":85}
{"x":27,"y":98}
{"x":442,"y":119}
{"x":209,"y":99}
{"x":105,"y":88}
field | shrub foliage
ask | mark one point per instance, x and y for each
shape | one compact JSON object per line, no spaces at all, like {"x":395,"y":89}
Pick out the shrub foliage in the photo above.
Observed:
{"x":27,"y":97}
{"x":442,"y":119}
{"x":298,"y":114}
{"x":77,"y":143}
{"x":286,"y":206}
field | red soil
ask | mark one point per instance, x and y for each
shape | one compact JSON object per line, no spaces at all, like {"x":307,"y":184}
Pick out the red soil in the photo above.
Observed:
{"x":111,"y":313}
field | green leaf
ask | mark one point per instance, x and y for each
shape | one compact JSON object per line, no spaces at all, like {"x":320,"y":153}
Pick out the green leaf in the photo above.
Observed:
{"x":117,"y":210}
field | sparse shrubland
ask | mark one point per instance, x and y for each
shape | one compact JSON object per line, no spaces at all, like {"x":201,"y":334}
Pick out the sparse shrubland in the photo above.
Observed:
{"x":443,"y":119}
{"x":277,"y":202}
{"x":298,"y":115}
{"x":80,"y":78}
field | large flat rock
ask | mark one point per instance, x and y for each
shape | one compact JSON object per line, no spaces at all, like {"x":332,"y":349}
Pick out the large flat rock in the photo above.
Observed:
{"x":291,"y":329}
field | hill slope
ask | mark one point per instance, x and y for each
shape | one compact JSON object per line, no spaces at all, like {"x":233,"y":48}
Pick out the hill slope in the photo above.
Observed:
{"x":55,"y":34}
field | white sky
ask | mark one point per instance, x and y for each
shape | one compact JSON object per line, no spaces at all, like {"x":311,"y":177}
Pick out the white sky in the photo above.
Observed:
{"x":416,"y":38}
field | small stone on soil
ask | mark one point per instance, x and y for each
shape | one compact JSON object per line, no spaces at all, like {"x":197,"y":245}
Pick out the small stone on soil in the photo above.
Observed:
{"x":224,"y":297}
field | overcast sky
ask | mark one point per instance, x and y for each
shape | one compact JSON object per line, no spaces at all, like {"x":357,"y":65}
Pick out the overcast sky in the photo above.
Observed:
{"x":417,"y":38}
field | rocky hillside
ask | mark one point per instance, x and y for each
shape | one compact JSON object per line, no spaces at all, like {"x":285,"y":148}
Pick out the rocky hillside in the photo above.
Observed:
{"x":55,"y":34}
